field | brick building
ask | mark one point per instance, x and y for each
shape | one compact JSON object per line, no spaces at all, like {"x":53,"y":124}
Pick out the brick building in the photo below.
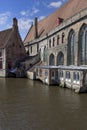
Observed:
{"x":11,"y":48}
{"x":61,"y":38}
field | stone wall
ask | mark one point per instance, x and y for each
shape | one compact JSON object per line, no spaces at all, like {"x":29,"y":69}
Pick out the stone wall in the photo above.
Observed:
{"x":74,"y":23}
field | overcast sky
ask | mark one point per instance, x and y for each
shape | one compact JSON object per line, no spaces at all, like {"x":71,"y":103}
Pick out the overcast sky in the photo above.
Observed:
{"x":25,"y":11}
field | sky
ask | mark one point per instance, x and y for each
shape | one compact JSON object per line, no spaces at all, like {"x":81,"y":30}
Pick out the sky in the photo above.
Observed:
{"x":25,"y":11}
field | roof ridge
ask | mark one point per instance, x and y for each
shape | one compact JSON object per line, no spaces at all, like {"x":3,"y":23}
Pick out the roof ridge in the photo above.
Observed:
{"x":6,"y":30}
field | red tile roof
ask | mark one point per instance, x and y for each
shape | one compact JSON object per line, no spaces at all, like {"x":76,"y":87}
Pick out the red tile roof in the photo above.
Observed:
{"x":4,"y":37}
{"x":47,"y":24}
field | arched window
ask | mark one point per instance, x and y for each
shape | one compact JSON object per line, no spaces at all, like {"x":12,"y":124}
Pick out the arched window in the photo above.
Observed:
{"x":63,"y":35}
{"x":76,"y":76}
{"x":53,"y":41}
{"x":67,"y":75}
{"x":50,"y":43}
{"x":60,"y":73}
{"x":51,"y":60}
{"x":58,"y":40}
{"x":60,"y":59}
{"x":83,"y":45}
{"x":71,"y":48}
{"x":45,"y":54}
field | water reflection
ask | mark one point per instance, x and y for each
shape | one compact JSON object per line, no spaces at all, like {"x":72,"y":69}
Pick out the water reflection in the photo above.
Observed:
{"x":32,"y":105}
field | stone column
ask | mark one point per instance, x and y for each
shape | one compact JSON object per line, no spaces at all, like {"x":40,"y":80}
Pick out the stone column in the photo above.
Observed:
{"x":65,"y":55}
{"x":76,"y":48}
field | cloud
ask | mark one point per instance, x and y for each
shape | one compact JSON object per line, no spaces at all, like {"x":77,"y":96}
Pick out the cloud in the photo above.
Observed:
{"x":24,"y":24}
{"x":35,"y":10}
{"x":64,"y":0}
{"x":28,"y":13}
{"x":24,"y":13}
{"x":4,"y":17}
{"x":41,"y":17}
{"x":55,"y":4}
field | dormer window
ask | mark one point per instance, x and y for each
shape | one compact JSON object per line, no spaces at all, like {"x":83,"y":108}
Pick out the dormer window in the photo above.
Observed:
{"x":59,"y":21}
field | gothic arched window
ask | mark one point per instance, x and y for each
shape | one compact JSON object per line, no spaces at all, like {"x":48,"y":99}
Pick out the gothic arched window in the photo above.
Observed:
{"x":51,"y":60}
{"x":84,"y":46}
{"x":60,"y":59}
{"x":45,"y":54}
{"x":71,"y":48}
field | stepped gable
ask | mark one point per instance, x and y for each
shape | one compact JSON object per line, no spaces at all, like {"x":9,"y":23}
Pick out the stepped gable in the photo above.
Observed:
{"x":4,"y":36}
{"x":47,"y":24}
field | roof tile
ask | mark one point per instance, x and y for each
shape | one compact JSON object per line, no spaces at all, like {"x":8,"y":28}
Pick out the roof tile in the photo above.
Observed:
{"x":4,"y":35}
{"x":47,"y":24}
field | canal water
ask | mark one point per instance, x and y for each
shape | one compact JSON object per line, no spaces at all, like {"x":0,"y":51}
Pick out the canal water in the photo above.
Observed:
{"x":32,"y":105}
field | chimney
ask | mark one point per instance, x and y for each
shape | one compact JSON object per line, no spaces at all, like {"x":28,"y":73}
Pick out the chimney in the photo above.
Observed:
{"x":15,"y":24}
{"x":36,"y":28}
